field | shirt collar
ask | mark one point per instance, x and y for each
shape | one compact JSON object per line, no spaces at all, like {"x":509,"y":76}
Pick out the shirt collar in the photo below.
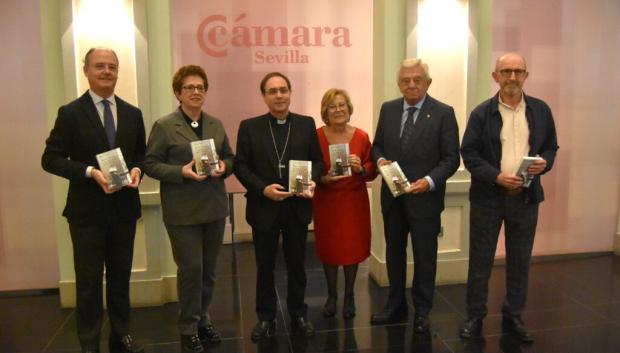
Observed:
{"x":96,"y":98}
{"x":519,"y":107}
{"x":418,"y":105}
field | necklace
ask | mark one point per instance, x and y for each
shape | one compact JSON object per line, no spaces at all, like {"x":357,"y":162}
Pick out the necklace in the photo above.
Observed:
{"x":194,"y":124}
{"x":275,"y":147}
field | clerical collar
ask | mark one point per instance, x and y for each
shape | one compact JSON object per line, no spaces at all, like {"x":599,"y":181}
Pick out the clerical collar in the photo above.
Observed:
{"x":278,"y":121}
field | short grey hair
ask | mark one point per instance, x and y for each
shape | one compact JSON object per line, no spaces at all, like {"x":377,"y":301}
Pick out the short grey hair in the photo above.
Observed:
{"x":93,"y":49}
{"x":413,"y":62}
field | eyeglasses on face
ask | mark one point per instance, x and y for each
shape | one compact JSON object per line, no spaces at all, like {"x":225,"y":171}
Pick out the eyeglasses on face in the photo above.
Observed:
{"x":275,"y":90}
{"x":507,"y":73}
{"x":192,"y":88}
{"x":333,"y":107}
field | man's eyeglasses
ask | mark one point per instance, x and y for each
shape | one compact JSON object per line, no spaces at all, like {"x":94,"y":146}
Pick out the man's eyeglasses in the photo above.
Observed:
{"x":192,"y":88}
{"x":274,"y":91}
{"x":507,"y":73}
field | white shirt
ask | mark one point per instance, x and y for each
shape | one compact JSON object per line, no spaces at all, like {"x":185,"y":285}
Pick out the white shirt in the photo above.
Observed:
{"x":514,"y":136}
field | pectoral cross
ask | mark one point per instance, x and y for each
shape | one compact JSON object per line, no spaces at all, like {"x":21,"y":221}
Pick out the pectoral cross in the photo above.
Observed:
{"x":280,"y":167}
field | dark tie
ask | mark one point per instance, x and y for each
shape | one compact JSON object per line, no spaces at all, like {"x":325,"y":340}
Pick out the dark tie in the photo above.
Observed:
{"x":405,"y":137}
{"x":108,"y":122}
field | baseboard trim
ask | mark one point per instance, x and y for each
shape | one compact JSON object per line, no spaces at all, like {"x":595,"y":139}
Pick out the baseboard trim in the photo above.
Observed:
{"x":448,"y":271}
{"x":455,"y":271}
{"x":28,"y":293}
{"x":143,"y":293}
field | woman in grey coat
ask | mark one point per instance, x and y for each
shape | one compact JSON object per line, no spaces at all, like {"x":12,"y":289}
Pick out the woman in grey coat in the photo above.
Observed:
{"x":194,"y":205}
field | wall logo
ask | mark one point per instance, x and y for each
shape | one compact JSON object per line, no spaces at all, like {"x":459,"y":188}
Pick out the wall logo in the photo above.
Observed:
{"x":278,"y":44}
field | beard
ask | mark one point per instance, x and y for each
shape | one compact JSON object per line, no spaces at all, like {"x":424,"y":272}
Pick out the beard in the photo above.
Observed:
{"x":512,"y":90}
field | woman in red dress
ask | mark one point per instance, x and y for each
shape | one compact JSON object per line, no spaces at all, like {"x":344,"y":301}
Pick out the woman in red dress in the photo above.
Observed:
{"x":341,"y":206}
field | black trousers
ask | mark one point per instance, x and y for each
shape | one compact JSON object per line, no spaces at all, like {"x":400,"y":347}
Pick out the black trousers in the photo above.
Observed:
{"x":398,"y":223}
{"x":519,"y":221}
{"x":294,"y":235}
{"x":96,"y":246}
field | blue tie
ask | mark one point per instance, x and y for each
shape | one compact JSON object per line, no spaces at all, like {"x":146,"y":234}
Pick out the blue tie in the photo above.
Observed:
{"x":108,"y":122}
{"x":405,"y":137}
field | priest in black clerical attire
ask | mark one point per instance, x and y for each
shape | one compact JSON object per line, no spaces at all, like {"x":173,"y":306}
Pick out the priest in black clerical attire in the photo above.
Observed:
{"x":265,"y":145}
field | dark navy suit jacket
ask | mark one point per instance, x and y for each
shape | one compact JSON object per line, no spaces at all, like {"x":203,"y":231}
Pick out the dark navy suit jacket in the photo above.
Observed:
{"x":77,"y":137}
{"x":433,"y":152}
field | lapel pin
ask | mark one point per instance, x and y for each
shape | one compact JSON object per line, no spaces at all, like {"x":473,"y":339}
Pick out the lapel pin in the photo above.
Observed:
{"x":428,"y":115}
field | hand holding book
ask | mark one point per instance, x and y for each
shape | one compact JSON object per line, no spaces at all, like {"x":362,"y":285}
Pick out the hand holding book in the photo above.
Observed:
{"x":188,"y":172}
{"x":537,"y":167}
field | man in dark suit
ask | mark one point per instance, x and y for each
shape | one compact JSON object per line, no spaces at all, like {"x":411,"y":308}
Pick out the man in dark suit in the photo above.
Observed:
{"x":102,"y":220}
{"x":500,"y":132}
{"x":421,"y":134}
{"x":265,"y":145}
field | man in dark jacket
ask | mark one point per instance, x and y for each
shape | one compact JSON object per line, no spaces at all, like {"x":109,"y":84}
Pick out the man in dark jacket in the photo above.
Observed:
{"x":265,"y":145}
{"x":421,"y":134}
{"x":500,"y":132}
{"x":102,"y":219}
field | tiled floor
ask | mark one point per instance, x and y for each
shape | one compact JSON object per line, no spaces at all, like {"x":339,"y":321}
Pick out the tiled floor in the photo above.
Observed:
{"x":574,"y":306}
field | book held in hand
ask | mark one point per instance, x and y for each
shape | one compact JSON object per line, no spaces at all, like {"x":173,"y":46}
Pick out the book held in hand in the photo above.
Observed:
{"x":339,"y":157}
{"x":207,"y":162}
{"x":113,"y":166}
{"x":394,"y":178}
{"x":299,"y":176}
{"x":526,"y":162}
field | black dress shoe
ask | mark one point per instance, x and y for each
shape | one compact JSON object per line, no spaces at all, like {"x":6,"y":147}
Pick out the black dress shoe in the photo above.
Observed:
{"x":303,"y":327}
{"x":191,"y":344}
{"x":516,"y":326}
{"x":389,"y":316}
{"x":124,"y":344}
{"x":471,"y":328}
{"x":329,"y":309}
{"x":263,"y":329}
{"x":208,"y":335}
{"x":421,"y":323}
{"x":348,"y":308}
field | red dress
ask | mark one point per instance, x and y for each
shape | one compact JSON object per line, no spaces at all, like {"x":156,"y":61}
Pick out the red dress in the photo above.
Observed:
{"x":342,"y":210}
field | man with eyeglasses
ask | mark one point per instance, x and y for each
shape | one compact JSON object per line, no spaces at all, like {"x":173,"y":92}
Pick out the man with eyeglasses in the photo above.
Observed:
{"x":102,"y":220}
{"x":421,"y":134}
{"x":499,"y":133}
{"x":265,"y":145}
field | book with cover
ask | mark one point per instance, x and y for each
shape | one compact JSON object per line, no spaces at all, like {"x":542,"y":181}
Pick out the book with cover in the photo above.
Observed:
{"x":339,"y":157}
{"x":394,"y":178}
{"x":299,"y":176}
{"x":112,"y":165}
{"x":526,"y":162}
{"x":205,"y":157}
